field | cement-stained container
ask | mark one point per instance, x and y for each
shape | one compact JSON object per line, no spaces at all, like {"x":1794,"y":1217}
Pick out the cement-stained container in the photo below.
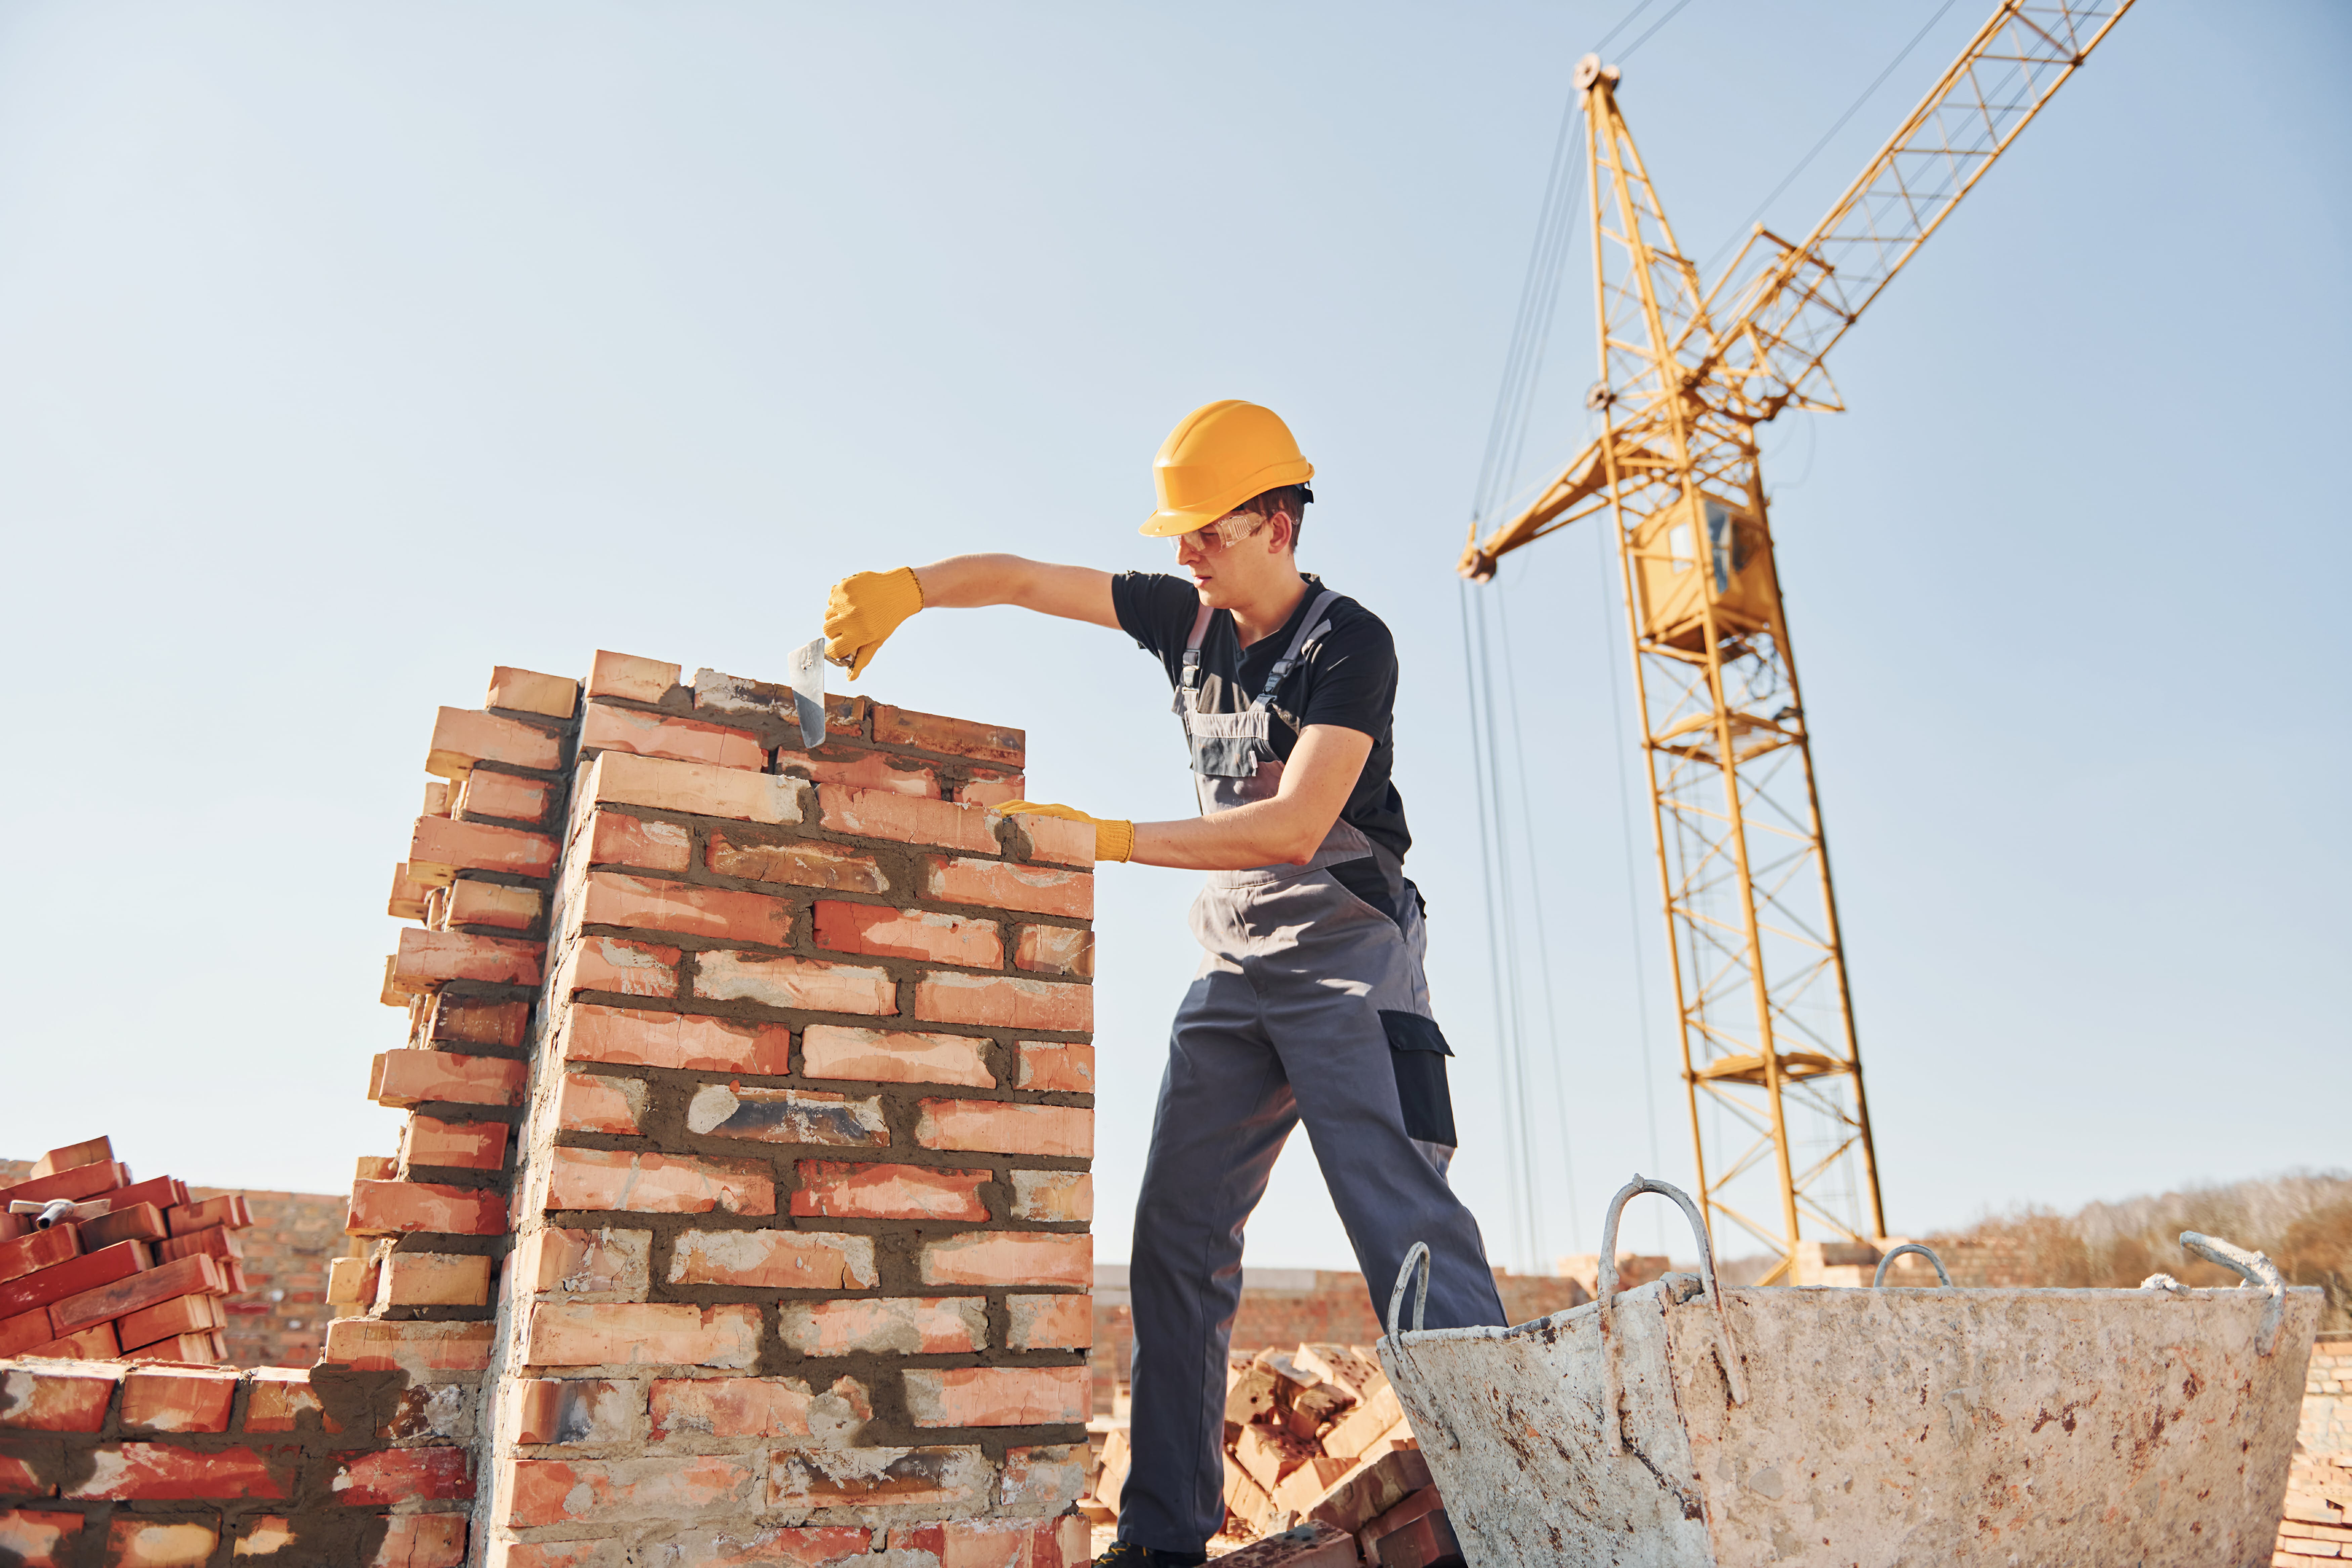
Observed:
{"x":1864,"y":1426}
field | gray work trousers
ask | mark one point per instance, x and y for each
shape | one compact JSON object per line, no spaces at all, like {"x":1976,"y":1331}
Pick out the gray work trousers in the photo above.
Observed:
{"x":1282,"y":1025}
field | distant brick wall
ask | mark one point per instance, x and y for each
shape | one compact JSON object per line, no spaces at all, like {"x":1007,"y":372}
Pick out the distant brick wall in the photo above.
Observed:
{"x":2318,"y":1524}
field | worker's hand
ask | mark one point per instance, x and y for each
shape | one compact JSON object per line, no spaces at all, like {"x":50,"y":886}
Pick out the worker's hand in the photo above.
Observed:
{"x":1114,"y":839}
{"x":862,"y":611}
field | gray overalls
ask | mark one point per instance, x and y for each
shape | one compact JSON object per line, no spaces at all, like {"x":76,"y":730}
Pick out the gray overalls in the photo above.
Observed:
{"x":1311,"y":1005}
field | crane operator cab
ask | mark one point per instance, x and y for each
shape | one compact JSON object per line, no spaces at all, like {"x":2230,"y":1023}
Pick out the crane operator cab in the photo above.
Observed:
{"x":1701,"y":551}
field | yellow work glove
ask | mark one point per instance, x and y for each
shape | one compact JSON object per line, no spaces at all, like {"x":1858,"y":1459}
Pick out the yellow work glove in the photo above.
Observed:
{"x":1114,"y":839}
{"x":862,"y":611}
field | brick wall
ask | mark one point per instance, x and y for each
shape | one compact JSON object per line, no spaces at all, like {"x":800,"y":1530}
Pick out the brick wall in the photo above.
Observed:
{"x":2318,"y":1523}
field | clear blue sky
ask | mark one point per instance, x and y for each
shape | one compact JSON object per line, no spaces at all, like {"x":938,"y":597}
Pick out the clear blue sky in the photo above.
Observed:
{"x":348,"y":351}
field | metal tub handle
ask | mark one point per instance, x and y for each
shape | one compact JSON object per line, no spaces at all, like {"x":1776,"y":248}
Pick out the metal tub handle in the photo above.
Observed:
{"x":2254,"y":1269}
{"x":1734,"y":1378}
{"x":1420,"y":1254}
{"x":1878,"y":1281}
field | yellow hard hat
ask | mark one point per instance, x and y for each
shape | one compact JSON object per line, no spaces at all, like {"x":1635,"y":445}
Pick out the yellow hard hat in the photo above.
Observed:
{"x":1218,"y":456}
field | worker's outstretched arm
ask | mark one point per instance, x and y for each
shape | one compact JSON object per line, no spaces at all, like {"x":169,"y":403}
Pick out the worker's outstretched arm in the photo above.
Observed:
{"x":1287,"y":830}
{"x":865,"y":609}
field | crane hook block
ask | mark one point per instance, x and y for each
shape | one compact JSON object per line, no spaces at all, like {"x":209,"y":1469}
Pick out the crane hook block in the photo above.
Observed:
{"x":1588,"y":71}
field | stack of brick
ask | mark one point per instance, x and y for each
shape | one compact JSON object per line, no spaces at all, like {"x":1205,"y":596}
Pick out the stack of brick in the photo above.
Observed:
{"x":803,"y":1261}
{"x":2317,"y":1527}
{"x":136,"y":1269}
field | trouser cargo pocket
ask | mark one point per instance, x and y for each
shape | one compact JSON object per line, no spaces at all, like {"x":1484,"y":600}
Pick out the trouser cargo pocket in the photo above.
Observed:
{"x":1417,"y":1050}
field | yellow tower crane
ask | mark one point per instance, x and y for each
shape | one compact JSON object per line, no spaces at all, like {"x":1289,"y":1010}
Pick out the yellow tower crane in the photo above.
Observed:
{"x":1772,"y":1066}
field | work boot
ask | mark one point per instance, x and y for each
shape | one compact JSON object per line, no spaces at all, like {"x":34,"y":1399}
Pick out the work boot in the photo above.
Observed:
{"x":1127,"y":1554}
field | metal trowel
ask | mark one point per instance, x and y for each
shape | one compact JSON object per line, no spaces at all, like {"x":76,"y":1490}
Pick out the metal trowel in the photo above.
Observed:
{"x":807,"y":666}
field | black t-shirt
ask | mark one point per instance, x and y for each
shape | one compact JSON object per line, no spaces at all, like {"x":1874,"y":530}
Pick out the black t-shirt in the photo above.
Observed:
{"x":1347,"y":676}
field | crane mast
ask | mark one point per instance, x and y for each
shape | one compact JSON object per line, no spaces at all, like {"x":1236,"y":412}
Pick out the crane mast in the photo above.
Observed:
{"x":1771,"y":1064}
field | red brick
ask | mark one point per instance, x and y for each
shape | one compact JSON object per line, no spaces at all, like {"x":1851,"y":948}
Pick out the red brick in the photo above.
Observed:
{"x":24,"y":1330}
{"x":843,"y":1189}
{"x":864,"y":770}
{"x":1002,"y":1001}
{"x":97,"y":1343}
{"x":1058,"y":839}
{"x":474,"y":1022}
{"x":1051,"y":1322}
{"x":573,"y":1409}
{"x":98,"y":1151}
{"x":753,"y":1407}
{"x":502,"y":795}
{"x":993,"y":792}
{"x":614,"y":898}
{"x":887,"y":932}
{"x":437,"y":1279}
{"x":473,"y":903}
{"x":636,"y":1333}
{"x":908,"y":819}
{"x":133,"y":1541}
{"x":696,"y":789}
{"x":160,"y":1471}
{"x":164,"y":1191}
{"x":957,"y":737}
{"x":801,"y":1546}
{"x":933,"y":1325}
{"x":221,"y":1209}
{"x":591,"y":1491}
{"x":596,"y":1554}
{"x":59,"y":1281}
{"x":804,"y":863}
{"x":177,"y":1399}
{"x":221,"y":1242}
{"x":421,"y":1540}
{"x":615,"y":839}
{"x":1053,"y":949}
{"x":606,"y":1260}
{"x":168,"y":1320}
{"x":626,"y":1036}
{"x":944,"y":1479}
{"x":463,"y":737}
{"x":436,"y":798}
{"x":182,"y":1350}
{"x":1014,"y":1258}
{"x":529,"y":691}
{"x":78,"y":1183}
{"x":441,"y":847}
{"x":609,"y":729}
{"x":468,"y":1146}
{"x":19,"y":1480}
{"x":1046,"y":1066}
{"x":894,"y":1056}
{"x":279,"y":1397}
{"x":428,"y":958}
{"x":397,"y":1475}
{"x":407,"y":900}
{"x":773,"y":1259}
{"x":799,"y":983}
{"x":393,"y":1208}
{"x":626,"y":675}
{"x":1002,"y":885}
{"x":1054,"y":1198}
{"x":37,"y":1538}
{"x":1002,"y":1127}
{"x":410,"y":1078}
{"x":658,"y":1183}
{"x":611,"y":963}
{"x":786,"y":1116}
{"x":39,"y":1250}
{"x":55,"y":1399}
{"x":997,"y":1395}
{"x":374,"y":1345}
{"x":589,"y":1103}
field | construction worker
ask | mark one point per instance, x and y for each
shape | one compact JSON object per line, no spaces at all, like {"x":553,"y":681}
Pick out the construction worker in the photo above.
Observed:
{"x":1310,"y":1003}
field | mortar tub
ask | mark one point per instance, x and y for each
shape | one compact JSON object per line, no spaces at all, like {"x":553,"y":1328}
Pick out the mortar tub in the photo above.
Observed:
{"x":1864,"y":1426}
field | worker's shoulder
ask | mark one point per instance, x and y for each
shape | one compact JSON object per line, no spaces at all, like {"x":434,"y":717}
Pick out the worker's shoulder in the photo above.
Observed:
{"x":1354,"y":629}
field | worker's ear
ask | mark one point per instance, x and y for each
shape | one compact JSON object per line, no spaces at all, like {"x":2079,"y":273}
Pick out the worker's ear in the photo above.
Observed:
{"x":1281,"y":531}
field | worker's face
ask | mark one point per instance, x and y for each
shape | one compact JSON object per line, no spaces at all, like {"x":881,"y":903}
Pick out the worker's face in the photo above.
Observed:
{"x":1236,"y":557}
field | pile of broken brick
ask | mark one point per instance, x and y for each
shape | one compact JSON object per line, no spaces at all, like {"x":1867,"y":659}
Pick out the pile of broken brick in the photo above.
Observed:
{"x":96,"y":1267}
{"x":1321,"y":1469}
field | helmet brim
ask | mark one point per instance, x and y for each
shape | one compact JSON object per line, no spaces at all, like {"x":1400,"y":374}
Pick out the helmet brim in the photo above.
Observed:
{"x":1167,"y":522}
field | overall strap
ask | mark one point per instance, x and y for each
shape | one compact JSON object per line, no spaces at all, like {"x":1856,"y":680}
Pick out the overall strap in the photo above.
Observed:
{"x":1309,"y":627}
{"x":1193,"y":652}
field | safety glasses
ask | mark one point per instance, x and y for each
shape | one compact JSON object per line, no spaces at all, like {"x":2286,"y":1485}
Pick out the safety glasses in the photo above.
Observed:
{"x":1224,"y":534}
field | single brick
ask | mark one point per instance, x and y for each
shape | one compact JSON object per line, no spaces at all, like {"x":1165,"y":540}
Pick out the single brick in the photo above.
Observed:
{"x":160,"y":1471}
{"x":616,"y":899}
{"x":40,"y":1248}
{"x":733,"y":694}
{"x":1051,"y":1322}
{"x":169,"y":1319}
{"x":595,"y":1491}
{"x":697,"y":789}
{"x":1004,"y":885}
{"x":472,"y":1021}
{"x":573,"y":1409}
{"x":222,"y":1208}
{"x":627,"y":677}
{"x":609,"y":729}
{"x":19,"y":1479}
{"x":441,"y":848}
{"x":485,"y":794}
{"x":998,"y":1127}
{"x":591,"y":1102}
{"x":473,"y":903}
{"x":462,"y":737}
{"x":90,"y":1272}
{"x":408,"y":898}
{"x":398,"y":1475}
{"x":395,"y":1208}
{"x":629,"y":1037}
{"x":1009,"y":1258}
{"x":133,"y":1541}
{"x":429,"y":958}
{"x":602,"y":1261}
{"x":864,"y":770}
{"x":280,"y":1396}
{"x":98,"y":1343}
{"x":1042,"y":1482}
{"x":374,"y":1344}
{"x":421,"y":1540}
{"x":894,"y":1056}
{"x":79,"y":1183}
{"x":1053,"y":949}
{"x":1044,"y":1065}
{"x":437,"y":799}
{"x":657,"y":1183}
{"x":527,"y":691}
{"x":995,"y":793}
{"x":20,"y":1331}
{"x":55,"y":1398}
{"x":1002,"y":1001}
{"x":39,"y":1538}
{"x":774,"y":1259}
{"x":410,"y":1078}
{"x":624,"y":1333}
{"x":466,"y":1145}
{"x":757,"y":1407}
{"x":922,"y":1325}
{"x":1054,"y":1198}
{"x":798,"y":1546}
{"x":1058,"y":839}
{"x":805,"y":863}
{"x":725,"y":975}
{"x":997,"y":1395}
{"x":197,"y":1275}
{"x":617,"y":839}
{"x":855,"y":1189}
{"x":957,"y":1481}
{"x":786,"y":1116}
{"x":958,"y":737}
{"x":611,"y":963}
{"x":887,"y":932}
{"x":437,"y":1279}
{"x":596,"y":1554}
{"x":906,"y":819}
